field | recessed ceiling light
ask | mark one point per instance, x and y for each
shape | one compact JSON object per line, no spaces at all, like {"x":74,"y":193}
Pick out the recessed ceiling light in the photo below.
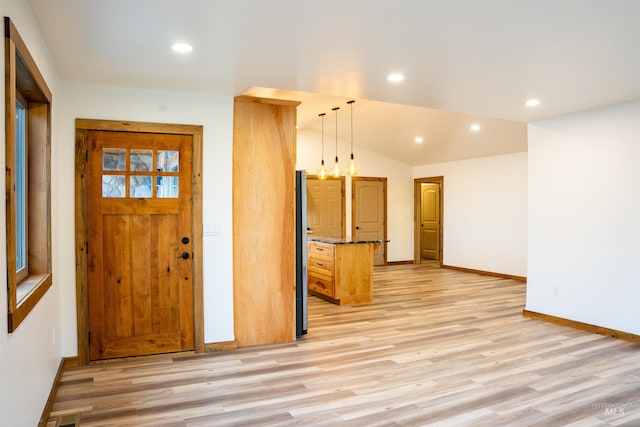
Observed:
{"x":474,"y":127}
{"x":395,"y":77}
{"x":182,"y":47}
{"x":532,"y":102}
{"x":419,"y":140}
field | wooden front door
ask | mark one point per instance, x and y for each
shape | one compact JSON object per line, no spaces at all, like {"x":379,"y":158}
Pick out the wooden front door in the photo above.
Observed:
{"x":325,"y":207}
{"x":430,"y":221}
{"x":139,"y":240}
{"x":369,"y":214}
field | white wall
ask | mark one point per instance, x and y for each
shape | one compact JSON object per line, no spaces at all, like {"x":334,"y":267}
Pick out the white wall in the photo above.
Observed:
{"x":584,"y":210}
{"x":215,"y":113}
{"x":485,"y":212}
{"x":399,"y":186}
{"x":30,"y":356}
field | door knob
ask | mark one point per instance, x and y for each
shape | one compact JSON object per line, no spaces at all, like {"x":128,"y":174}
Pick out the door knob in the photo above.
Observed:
{"x":357,"y":228}
{"x":185,"y":240}
{"x":184,"y":255}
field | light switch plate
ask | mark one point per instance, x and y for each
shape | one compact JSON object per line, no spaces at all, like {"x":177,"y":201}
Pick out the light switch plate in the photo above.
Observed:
{"x":211,"y":230}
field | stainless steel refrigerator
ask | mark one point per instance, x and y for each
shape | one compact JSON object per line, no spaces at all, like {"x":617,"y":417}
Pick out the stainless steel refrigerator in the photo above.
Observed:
{"x":301,"y":253}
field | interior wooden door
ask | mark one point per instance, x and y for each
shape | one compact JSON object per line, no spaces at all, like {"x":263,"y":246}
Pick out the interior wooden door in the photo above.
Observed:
{"x":369,"y":212}
{"x":430,"y":221}
{"x":140,"y":290}
{"x":325,"y":207}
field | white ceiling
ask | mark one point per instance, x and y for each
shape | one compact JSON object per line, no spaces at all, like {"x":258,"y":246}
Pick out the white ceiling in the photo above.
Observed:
{"x":479,"y":60}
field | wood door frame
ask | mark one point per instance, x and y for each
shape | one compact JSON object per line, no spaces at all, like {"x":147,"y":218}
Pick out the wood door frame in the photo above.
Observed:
{"x":344,"y":209}
{"x":83,"y":126}
{"x":353,"y":210}
{"x":417,"y":203}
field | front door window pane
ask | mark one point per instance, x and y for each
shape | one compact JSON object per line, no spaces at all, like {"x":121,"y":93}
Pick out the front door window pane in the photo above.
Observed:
{"x":140,"y":186}
{"x":141,"y":160}
{"x":113,"y":186}
{"x":114,"y":159}
{"x":167,"y":187}
{"x":167,"y":161}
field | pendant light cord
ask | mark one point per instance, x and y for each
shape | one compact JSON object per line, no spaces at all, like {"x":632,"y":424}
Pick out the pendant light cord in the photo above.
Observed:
{"x":336,"y":110}
{"x":322,"y":138}
{"x":351,"y":105}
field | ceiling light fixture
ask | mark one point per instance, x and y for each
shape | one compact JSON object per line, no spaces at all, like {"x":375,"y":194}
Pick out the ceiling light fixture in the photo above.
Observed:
{"x":322,"y":172}
{"x":353,"y":167}
{"x":182,"y":47}
{"x":395,"y":77}
{"x":419,"y":140}
{"x":335,"y":172}
{"x":474,"y":127}
{"x":533,"y":102}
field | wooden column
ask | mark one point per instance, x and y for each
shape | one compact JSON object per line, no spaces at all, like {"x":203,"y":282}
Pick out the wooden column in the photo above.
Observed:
{"x":264,"y":142}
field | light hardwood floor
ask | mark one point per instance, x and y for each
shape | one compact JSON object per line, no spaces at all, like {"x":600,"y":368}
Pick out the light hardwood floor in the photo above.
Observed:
{"x":436,"y":347}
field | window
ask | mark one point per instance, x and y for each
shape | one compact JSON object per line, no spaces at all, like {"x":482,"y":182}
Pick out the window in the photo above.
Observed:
{"x":141,"y":173}
{"x":28,"y":183}
{"x":21,"y":191}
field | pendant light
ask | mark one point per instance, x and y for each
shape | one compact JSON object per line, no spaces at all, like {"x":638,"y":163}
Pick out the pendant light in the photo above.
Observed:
{"x":353,"y":166}
{"x":322,"y":172}
{"x":335,"y":171}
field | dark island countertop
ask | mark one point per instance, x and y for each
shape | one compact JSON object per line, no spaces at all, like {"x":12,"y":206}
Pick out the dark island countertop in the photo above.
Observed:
{"x":342,"y":240}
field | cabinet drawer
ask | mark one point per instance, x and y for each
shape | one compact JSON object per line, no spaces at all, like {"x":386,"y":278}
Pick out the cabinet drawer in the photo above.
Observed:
{"x":321,"y":284}
{"x":321,"y":265}
{"x":321,"y":249}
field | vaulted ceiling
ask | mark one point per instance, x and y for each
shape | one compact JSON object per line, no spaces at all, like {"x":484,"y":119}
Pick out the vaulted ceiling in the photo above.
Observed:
{"x":464,"y":61}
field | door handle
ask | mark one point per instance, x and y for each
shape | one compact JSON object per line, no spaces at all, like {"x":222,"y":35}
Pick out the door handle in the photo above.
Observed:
{"x":183,"y":255}
{"x":357,"y":228}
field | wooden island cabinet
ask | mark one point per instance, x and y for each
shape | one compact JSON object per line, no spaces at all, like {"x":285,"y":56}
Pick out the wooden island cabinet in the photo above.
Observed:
{"x":341,"y":270}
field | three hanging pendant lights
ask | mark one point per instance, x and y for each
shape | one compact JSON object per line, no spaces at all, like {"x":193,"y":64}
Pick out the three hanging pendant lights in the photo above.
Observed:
{"x":335,"y":171}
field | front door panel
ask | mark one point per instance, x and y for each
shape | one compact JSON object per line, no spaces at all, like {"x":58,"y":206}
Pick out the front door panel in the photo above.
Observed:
{"x":140,"y":284}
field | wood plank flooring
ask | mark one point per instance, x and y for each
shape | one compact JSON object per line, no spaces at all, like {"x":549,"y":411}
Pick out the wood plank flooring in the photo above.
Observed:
{"x":436,"y":347}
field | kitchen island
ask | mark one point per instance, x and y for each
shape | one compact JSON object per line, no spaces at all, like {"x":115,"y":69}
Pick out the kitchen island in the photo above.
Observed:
{"x":341,"y":269}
